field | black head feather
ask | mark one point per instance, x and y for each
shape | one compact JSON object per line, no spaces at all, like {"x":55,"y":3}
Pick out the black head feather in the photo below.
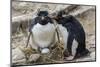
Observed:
{"x":42,"y":13}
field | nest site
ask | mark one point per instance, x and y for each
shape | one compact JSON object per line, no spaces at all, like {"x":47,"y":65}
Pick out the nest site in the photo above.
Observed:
{"x":22,"y":14}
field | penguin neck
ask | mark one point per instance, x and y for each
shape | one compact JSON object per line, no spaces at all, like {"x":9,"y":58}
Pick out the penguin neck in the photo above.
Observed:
{"x":40,"y":25}
{"x":61,"y":20}
{"x":43,"y":23}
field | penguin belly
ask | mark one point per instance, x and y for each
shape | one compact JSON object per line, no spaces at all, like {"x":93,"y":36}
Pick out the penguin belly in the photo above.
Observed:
{"x":43,"y":35}
{"x":64,"y":34}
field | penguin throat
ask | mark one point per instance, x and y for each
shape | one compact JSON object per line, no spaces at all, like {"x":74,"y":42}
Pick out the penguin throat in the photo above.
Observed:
{"x":43,"y":22}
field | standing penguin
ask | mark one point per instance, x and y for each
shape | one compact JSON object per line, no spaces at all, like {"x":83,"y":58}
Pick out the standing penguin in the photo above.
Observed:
{"x":43,"y":32}
{"x":73,"y":34}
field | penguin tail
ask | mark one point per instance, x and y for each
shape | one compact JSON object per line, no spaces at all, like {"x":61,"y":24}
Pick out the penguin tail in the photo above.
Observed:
{"x":84,"y":53}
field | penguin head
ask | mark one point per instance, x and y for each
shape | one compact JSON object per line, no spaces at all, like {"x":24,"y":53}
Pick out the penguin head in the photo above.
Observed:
{"x":61,"y":14}
{"x":42,"y":13}
{"x":43,"y":18}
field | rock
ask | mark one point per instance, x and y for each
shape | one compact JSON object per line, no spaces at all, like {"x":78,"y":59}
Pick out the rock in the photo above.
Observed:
{"x":18,"y":56}
{"x":90,"y":57}
{"x":34,"y":57}
{"x":93,"y":55}
{"x":14,"y":46}
{"x":69,"y":58}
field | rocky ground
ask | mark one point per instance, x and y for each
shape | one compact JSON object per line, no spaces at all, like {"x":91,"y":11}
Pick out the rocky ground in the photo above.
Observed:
{"x":22,"y":14}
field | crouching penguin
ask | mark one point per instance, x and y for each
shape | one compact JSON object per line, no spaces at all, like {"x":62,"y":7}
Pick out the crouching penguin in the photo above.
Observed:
{"x":73,"y":36}
{"x":43,"y":32}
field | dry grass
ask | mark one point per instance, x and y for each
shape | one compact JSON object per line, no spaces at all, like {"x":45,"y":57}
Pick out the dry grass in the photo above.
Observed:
{"x":55,"y":55}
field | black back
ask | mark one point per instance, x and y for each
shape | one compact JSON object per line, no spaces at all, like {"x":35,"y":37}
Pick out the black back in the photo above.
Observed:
{"x":76,"y":32}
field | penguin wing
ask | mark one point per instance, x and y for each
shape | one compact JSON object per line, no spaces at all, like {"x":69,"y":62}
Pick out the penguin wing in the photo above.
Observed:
{"x":32,"y":24}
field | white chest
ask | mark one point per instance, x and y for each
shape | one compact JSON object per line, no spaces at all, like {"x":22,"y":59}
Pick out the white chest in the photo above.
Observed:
{"x":43,"y":34}
{"x":64,"y":34}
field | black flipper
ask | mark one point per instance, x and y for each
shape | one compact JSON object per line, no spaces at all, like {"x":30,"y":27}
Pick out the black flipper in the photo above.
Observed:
{"x":32,"y":24}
